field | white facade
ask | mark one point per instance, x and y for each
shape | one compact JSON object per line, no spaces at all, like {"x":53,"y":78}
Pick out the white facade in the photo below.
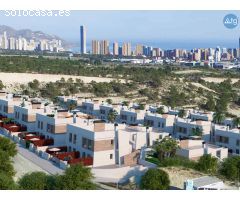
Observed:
{"x":229,"y":138}
{"x":131,"y":116}
{"x":163,"y":122}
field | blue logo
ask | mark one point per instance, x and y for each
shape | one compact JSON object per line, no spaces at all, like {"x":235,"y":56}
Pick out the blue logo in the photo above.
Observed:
{"x":230,"y":21}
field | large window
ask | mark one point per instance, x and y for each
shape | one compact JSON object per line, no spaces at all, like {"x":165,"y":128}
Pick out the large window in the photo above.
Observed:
{"x":87,"y":144}
{"x":74,"y":139}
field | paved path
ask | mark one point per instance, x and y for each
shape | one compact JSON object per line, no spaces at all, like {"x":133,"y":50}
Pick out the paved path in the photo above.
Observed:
{"x":32,"y":157}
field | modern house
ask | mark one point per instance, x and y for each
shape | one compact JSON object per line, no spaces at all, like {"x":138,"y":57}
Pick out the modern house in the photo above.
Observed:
{"x":198,"y":115}
{"x":131,"y":116}
{"x":164,"y":122}
{"x":185,"y":128}
{"x":194,"y":149}
{"x":25,"y":114}
{"x":53,"y":125}
{"x":7,"y":103}
{"x":90,"y":107}
{"x":226,"y":137}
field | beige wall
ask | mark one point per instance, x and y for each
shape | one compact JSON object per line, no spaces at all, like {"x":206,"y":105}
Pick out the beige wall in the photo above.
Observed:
{"x":60,"y":128}
{"x":103,"y":145}
{"x":131,"y":159}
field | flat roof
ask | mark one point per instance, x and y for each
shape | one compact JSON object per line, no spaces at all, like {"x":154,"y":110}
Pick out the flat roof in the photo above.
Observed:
{"x":205,"y":180}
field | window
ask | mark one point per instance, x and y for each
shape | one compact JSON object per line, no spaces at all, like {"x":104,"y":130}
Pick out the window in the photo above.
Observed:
{"x":218,"y":153}
{"x":42,"y":125}
{"x":74,"y":139}
{"x":237,"y":151}
{"x":39,"y":124}
{"x":237,"y":142}
{"x":111,"y":156}
{"x":163,"y":125}
{"x":112,"y":142}
{"x":70,"y":137}
{"x":74,"y":149}
{"x":70,"y":148}
{"x":50,"y":128}
{"x":87,"y":144}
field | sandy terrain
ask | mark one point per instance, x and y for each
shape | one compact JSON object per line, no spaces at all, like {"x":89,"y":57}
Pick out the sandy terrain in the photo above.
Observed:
{"x":202,"y":86}
{"x":23,"y":78}
{"x":188,"y":71}
{"x":219,"y":80}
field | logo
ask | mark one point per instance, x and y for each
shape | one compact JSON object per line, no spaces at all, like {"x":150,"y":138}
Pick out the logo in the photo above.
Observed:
{"x":230,"y":21}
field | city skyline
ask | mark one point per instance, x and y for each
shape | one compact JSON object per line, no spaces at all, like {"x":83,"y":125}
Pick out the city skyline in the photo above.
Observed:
{"x":165,"y":29}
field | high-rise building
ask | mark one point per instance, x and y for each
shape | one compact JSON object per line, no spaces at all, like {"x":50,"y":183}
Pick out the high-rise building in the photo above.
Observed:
{"x":239,"y":48}
{"x":83,"y":48}
{"x":95,"y":47}
{"x":104,"y":47}
{"x":11,"y":43}
{"x":115,"y":49}
{"x":139,"y":50}
{"x":4,"y":41}
{"x":126,"y":49}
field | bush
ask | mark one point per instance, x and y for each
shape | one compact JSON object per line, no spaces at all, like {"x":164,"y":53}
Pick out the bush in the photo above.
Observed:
{"x":207,"y":164}
{"x":230,"y":168}
{"x":177,"y":162}
{"x":33,"y":181}
{"x":155,"y":179}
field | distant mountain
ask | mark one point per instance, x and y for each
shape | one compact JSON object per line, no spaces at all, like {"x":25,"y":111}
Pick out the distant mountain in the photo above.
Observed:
{"x":29,"y":34}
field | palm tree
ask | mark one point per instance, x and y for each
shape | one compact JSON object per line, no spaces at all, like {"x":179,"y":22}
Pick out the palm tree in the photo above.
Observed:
{"x":112,"y":115}
{"x":218,"y":117}
{"x":197,"y":131}
{"x":236,"y":122}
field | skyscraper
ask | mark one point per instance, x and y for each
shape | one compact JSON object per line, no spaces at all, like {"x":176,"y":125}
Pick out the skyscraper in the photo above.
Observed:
{"x":104,"y":47}
{"x":95,"y":47}
{"x":83,"y":49}
{"x":115,"y":49}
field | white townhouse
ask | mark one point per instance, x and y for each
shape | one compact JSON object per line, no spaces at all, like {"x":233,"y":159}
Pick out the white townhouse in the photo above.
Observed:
{"x":25,"y":114}
{"x":198,"y":115}
{"x":105,"y":108}
{"x":90,"y":107}
{"x":109,"y":144}
{"x":53,"y":125}
{"x":7,"y":103}
{"x":131,"y":116}
{"x":185,"y":128}
{"x":226,"y":137}
{"x":164,"y":122}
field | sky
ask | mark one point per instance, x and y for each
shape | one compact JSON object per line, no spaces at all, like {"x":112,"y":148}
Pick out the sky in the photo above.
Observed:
{"x":164,"y":29}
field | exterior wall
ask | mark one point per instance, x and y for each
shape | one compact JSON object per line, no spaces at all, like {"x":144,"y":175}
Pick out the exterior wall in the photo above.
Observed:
{"x":205,"y":126}
{"x":90,"y":108}
{"x":59,"y":132}
{"x":232,"y":136}
{"x":101,"y":158}
{"x":161,"y":122}
{"x":103,"y":152}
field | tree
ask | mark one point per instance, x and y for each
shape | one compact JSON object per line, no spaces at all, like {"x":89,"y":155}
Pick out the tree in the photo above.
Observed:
{"x":109,"y":101}
{"x":8,"y":146}
{"x":1,"y":85}
{"x":207,"y":164}
{"x":112,"y":114}
{"x":167,"y":147}
{"x":230,"y":168}
{"x":155,"y":179}
{"x":197,"y":131}
{"x":6,"y":166}
{"x":182,"y":113}
{"x":77,"y":177}
{"x":6,"y":182}
{"x":210,"y":104}
{"x":218,"y":117}
{"x":33,"y":181}
{"x":160,"y":110}
{"x":236,"y":121}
